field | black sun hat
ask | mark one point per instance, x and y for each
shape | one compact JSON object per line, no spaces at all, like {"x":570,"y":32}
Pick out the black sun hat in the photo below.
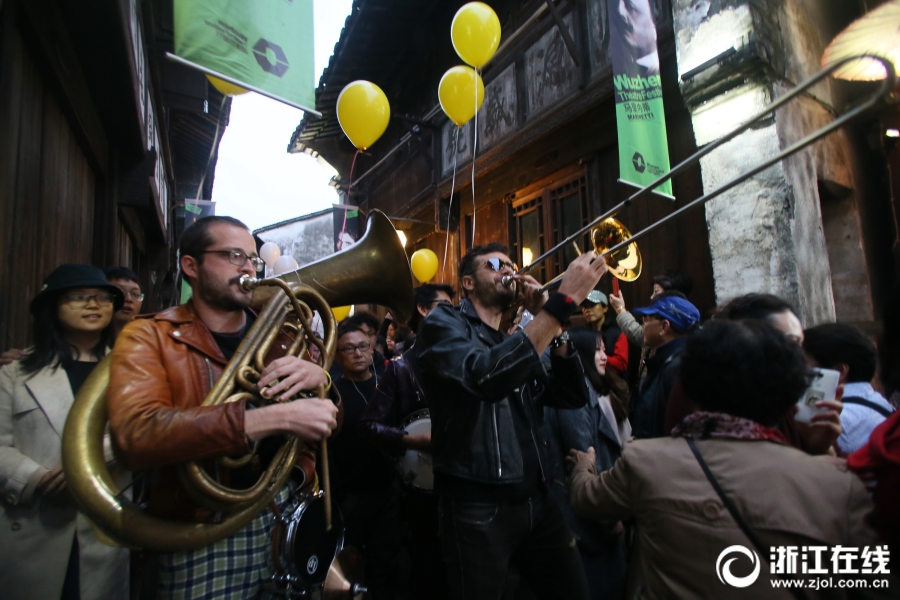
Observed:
{"x":68,"y":276}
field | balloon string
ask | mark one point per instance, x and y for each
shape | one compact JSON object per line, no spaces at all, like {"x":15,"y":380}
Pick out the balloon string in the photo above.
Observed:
{"x":474,"y":152}
{"x":450,"y":208}
{"x":340,"y":243}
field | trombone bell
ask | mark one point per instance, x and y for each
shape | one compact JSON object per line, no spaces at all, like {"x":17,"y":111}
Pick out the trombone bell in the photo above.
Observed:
{"x":624,"y":264}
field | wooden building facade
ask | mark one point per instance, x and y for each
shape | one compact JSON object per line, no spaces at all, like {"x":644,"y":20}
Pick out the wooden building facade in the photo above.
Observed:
{"x":100,"y":139}
{"x":546,"y":156}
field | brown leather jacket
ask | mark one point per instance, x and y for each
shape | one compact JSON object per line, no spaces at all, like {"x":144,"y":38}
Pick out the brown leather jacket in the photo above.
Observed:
{"x":163,"y":366}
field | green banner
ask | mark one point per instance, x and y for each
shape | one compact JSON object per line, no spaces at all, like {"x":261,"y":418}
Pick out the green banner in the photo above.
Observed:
{"x":263,"y":45}
{"x":640,"y":116}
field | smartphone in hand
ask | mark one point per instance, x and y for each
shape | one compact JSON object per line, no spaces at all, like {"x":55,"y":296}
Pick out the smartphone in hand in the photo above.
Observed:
{"x":823,"y":387}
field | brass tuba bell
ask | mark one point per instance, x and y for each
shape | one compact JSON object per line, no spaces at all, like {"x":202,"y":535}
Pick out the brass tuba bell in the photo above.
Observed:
{"x":375,"y":270}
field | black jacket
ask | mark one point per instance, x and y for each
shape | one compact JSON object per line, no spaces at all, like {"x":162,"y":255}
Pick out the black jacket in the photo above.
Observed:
{"x":648,"y":409}
{"x":472,"y":374}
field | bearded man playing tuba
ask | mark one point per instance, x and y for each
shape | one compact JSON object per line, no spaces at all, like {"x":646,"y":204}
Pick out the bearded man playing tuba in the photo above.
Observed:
{"x":164,"y":365}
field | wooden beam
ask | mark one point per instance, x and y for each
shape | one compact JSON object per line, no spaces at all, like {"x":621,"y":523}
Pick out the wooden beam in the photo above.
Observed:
{"x":567,"y":37}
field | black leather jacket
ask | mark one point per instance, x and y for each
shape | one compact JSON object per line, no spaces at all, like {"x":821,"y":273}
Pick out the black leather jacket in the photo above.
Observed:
{"x":472,"y":374}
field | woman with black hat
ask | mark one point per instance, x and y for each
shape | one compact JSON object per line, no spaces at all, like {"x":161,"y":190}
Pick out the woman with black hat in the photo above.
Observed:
{"x":47,"y":548}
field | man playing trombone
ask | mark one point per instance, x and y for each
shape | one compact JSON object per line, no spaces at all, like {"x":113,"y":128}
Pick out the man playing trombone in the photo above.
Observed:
{"x":163,"y":367}
{"x":485,"y":389}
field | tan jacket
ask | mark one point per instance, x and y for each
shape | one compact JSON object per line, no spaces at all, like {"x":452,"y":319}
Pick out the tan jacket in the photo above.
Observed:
{"x":787,"y":497}
{"x":36,"y":535}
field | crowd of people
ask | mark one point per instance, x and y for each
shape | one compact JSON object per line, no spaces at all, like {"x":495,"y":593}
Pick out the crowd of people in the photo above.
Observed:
{"x":577,"y":453}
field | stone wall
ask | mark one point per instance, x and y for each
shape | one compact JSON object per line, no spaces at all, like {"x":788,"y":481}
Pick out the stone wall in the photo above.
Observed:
{"x":768,"y":234}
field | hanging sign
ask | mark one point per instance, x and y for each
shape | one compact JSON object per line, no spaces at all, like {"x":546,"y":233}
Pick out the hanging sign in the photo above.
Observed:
{"x":265,"y":47}
{"x":640,"y":117}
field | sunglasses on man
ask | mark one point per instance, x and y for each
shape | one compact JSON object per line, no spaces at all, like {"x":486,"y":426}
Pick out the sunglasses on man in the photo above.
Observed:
{"x":497,"y":264}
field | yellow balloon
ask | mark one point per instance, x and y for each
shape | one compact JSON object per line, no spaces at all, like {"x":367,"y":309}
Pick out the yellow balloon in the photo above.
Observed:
{"x":229,"y":89}
{"x":363,"y":112}
{"x":475,"y":32}
{"x":457,"y":94}
{"x":424,"y":264}
{"x":340,"y":312}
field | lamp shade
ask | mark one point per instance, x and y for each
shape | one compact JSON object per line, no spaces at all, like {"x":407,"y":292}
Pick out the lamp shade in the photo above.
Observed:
{"x":876,"y":33}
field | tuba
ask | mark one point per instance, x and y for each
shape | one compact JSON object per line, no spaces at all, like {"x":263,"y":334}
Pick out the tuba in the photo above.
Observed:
{"x":375,"y":270}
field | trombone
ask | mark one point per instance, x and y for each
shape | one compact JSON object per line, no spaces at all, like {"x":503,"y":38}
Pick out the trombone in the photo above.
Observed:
{"x":614,"y":238}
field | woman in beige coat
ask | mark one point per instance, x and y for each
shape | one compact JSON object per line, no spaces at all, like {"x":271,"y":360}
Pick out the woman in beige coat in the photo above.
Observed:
{"x":47,"y":548}
{"x":743,"y":376}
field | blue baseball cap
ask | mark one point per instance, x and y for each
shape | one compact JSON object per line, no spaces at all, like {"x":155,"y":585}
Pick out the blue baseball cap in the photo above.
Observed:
{"x":677,"y":311}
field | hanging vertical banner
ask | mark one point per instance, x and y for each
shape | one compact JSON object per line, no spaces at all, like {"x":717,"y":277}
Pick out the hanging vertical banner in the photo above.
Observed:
{"x":641,"y":120}
{"x":263,"y":46}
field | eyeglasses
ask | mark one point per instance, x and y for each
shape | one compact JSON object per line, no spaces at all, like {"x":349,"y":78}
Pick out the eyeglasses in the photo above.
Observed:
{"x":348,"y":350}
{"x":136,"y":296}
{"x":82,"y":300}
{"x":496,"y":264}
{"x":238,"y":258}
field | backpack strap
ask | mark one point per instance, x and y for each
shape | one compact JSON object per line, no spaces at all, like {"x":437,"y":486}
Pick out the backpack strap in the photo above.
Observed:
{"x":868,"y":404}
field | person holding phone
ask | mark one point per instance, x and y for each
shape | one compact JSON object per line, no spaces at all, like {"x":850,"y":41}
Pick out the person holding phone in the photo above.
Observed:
{"x":852,"y":354}
{"x":743,"y":377}
{"x":820,"y":434}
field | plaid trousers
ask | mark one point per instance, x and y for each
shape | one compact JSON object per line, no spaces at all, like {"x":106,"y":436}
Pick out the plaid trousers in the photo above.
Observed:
{"x":235,"y":568}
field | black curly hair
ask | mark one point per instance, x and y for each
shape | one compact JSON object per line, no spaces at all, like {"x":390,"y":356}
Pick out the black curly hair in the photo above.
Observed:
{"x":746,"y":368}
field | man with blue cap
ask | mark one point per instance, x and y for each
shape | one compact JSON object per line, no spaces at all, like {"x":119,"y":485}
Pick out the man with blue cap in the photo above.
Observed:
{"x":666,"y":324}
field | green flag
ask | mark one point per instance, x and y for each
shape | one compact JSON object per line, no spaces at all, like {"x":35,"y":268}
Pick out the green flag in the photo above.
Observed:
{"x":640,"y":116}
{"x":263,"y":45}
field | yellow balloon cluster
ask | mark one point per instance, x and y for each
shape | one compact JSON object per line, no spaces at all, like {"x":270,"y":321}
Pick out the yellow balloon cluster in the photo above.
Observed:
{"x":363,"y":112}
{"x":424,"y":264}
{"x":457,"y":94}
{"x":475,"y":32}
{"x":229,"y":89}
